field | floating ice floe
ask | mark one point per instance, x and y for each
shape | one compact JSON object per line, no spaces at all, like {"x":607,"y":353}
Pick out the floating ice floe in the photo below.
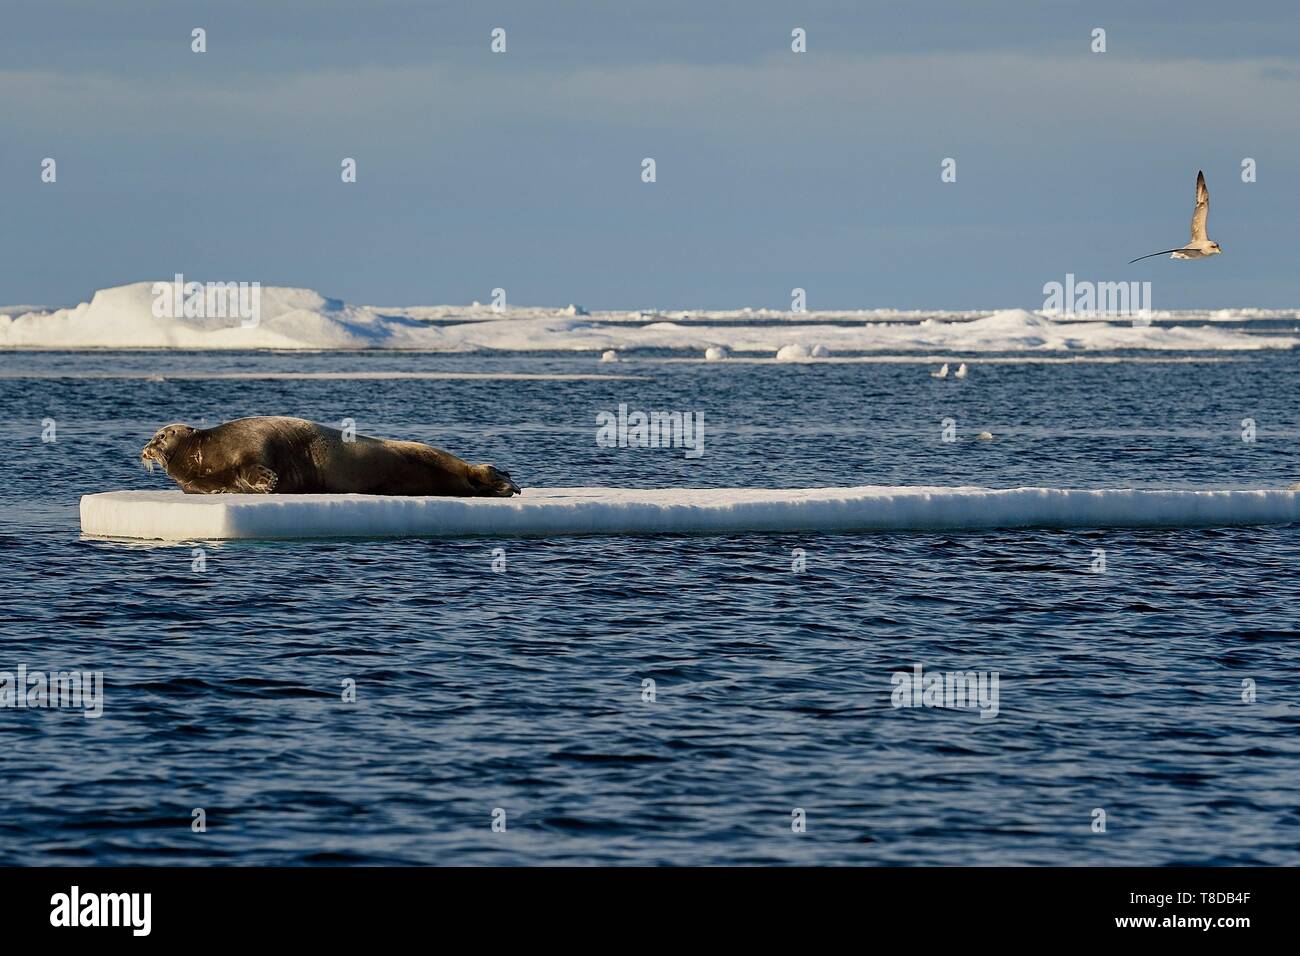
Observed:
{"x":174,"y":516}
{"x":716,"y":353}
{"x":609,"y":356}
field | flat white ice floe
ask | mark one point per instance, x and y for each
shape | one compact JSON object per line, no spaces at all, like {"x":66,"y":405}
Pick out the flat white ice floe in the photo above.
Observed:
{"x":174,"y":516}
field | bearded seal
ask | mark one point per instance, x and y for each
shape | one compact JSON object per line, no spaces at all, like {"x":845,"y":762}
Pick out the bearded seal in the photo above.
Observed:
{"x":296,"y":457}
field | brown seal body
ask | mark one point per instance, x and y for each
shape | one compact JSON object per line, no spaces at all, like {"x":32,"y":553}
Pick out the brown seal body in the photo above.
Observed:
{"x":297,"y":457}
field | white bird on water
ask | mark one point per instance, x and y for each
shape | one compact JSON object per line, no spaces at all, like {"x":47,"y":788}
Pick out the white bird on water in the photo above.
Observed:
{"x":961,"y":371}
{"x":942,"y":373}
{"x":1201,"y":245}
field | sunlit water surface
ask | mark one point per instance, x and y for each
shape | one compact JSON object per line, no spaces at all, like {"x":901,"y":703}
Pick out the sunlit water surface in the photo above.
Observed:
{"x":524,"y":690}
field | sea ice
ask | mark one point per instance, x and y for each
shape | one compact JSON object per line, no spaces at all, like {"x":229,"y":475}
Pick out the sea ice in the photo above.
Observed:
{"x":123,"y":317}
{"x":174,"y":516}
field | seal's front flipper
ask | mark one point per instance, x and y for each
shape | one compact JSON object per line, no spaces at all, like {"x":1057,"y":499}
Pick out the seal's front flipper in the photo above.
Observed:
{"x":257,"y":480}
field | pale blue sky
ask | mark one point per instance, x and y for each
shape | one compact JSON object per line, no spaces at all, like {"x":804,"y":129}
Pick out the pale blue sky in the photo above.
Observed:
{"x":775,"y":169}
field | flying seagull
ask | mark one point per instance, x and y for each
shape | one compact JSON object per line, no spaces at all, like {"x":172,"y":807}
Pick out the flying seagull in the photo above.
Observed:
{"x":1200,"y":246}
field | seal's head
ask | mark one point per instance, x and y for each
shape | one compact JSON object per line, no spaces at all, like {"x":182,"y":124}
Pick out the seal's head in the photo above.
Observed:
{"x":162,"y":448}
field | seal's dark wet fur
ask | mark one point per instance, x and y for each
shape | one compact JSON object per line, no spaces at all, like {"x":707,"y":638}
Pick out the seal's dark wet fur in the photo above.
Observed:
{"x":297,"y":457}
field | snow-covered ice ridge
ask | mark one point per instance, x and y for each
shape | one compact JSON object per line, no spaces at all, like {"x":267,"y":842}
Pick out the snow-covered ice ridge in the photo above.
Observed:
{"x":123,"y":318}
{"x":175,"y":516}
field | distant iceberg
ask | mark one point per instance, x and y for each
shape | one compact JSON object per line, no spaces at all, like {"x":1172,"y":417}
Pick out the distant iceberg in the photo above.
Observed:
{"x":124,"y":318}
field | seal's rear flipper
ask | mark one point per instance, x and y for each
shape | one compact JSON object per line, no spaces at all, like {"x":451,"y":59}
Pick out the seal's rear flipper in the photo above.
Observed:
{"x":491,"y":482}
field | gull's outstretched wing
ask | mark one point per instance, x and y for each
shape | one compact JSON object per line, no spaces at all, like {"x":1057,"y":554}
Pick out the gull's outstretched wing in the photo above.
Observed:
{"x":1202,"y":209}
{"x":1165,"y":253}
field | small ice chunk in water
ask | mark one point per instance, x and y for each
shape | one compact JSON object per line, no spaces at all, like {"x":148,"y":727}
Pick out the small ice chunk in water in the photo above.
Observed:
{"x":155,"y":315}
{"x":716,"y":353}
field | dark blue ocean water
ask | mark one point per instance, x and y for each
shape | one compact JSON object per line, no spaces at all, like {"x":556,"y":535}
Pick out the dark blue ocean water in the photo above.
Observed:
{"x":522,"y":690}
